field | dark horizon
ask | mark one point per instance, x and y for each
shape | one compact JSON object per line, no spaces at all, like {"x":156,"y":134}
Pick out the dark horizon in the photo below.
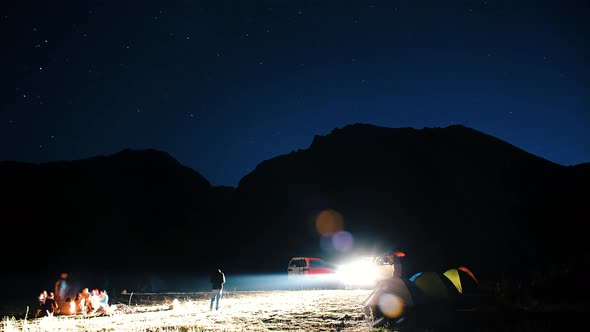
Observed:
{"x":271,"y":157}
{"x":446,"y":197}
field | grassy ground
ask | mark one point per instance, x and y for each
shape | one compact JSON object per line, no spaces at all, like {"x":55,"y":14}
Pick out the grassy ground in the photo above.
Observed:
{"x":282,"y":310}
{"x":302,"y":310}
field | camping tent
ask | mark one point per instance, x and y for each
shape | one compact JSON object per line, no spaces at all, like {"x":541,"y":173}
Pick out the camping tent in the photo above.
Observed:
{"x":433,"y":288}
{"x":463,"y":279}
{"x":467,"y":287}
{"x":426,"y":299}
{"x":391,"y":301}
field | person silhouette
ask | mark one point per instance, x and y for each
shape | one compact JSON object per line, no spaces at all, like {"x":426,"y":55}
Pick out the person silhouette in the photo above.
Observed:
{"x":61,"y":289}
{"x":217,"y":281}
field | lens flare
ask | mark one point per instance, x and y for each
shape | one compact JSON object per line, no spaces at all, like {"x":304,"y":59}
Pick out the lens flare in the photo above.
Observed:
{"x":390,"y":305}
{"x":342,"y":241}
{"x":329,"y":222}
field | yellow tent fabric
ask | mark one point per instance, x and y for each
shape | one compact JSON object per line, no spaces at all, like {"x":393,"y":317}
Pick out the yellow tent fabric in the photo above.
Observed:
{"x":453,"y":275}
{"x":462,"y":278}
{"x":432,"y":285}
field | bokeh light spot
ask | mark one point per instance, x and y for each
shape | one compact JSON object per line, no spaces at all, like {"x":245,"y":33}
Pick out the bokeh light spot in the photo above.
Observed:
{"x":391,"y":305}
{"x":329,"y":222}
{"x":342,"y":241}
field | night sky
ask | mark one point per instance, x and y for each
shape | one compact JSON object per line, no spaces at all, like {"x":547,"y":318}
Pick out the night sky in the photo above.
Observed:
{"x":224,"y":85}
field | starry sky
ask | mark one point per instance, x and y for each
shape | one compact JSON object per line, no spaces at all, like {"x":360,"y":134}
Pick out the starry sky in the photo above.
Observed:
{"x":224,"y":85}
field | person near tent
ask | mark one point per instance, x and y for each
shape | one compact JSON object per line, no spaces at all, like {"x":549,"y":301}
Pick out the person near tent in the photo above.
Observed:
{"x":395,"y":258}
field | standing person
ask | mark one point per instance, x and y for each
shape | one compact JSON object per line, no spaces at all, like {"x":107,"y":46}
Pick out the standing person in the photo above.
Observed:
{"x":396,"y":258}
{"x":61,"y":289}
{"x":217,"y":280}
{"x":397,"y":263}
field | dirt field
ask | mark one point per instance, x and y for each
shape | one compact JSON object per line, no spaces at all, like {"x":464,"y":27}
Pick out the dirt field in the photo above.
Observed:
{"x":280,"y":310}
{"x":302,"y":310}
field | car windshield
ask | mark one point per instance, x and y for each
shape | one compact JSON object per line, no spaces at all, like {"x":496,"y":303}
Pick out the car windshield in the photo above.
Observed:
{"x":321,"y":264}
{"x":298,"y":263}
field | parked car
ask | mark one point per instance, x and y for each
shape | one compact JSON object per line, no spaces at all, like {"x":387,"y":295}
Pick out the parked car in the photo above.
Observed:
{"x":300,"y":266}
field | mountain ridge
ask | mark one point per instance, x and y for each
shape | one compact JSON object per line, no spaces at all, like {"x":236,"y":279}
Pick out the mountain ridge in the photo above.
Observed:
{"x":447,"y":196}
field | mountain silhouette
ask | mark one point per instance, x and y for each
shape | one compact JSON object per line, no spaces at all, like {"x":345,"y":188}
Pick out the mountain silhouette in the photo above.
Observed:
{"x":446,"y":196}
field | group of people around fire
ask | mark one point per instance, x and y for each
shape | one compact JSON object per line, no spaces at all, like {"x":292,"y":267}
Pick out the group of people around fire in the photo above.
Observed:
{"x":60,"y":302}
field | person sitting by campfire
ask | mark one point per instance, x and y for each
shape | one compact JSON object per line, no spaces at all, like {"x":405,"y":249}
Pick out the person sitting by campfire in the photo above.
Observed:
{"x":50,"y":307}
{"x":104,"y":300}
{"x":41,"y":298}
{"x":79,"y":304}
{"x":87,"y":301}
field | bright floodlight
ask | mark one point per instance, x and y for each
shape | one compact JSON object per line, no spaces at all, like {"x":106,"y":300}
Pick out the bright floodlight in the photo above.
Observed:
{"x":361,"y":272}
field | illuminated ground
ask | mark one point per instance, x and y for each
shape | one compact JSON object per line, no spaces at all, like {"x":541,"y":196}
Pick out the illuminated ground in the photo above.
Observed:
{"x":300,"y":310}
